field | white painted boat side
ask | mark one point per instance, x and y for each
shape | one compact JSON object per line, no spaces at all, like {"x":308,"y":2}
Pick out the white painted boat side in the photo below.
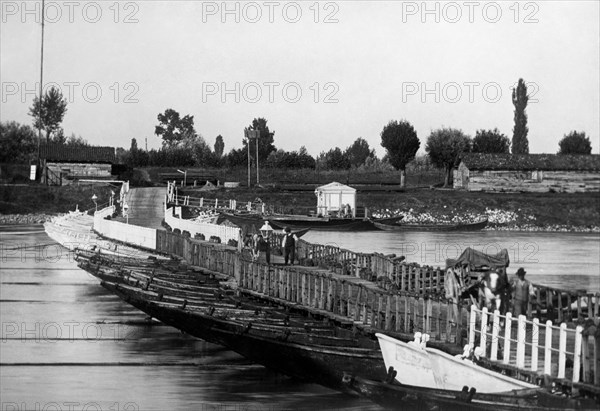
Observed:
{"x":435,"y":369}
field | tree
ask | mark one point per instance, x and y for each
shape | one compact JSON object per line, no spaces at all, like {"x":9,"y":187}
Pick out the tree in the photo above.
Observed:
{"x":172,"y":128}
{"x":490,"y":141}
{"x":444,"y":147}
{"x":401,"y":143}
{"x":575,"y":143}
{"x":265,"y":141}
{"x":335,"y":159}
{"x":219,"y":146}
{"x":520,"y":144}
{"x":17,"y":142}
{"x":48,"y":114}
{"x":358,"y":152}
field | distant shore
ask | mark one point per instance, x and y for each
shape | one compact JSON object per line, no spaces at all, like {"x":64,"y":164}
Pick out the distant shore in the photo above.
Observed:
{"x":40,"y":218}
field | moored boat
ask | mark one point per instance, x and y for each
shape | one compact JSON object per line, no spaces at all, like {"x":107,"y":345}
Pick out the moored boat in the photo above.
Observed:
{"x":199,"y":305}
{"x":428,"y":367}
{"x":392,"y":395}
{"x":399,"y":226}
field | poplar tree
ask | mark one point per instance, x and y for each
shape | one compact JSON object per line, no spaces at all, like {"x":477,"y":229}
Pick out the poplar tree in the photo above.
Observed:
{"x":520,"y":144}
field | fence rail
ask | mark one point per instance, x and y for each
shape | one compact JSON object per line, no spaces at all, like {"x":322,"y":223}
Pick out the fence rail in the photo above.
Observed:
{"x":224,"y":233}
{"x":547,"y":349}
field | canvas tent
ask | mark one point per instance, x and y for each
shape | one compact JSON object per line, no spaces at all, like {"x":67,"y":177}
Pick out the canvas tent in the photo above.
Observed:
{"x":334,"y":197}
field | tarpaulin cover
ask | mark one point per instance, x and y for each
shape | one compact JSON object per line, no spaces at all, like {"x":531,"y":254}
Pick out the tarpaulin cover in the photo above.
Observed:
{"x":476,"y":259}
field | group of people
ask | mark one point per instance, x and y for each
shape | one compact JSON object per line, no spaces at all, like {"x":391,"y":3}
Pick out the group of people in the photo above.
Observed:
{"x":261,"y":247}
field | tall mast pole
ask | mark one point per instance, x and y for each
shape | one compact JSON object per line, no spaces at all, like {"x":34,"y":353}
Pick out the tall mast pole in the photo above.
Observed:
{"x":41,"y":83}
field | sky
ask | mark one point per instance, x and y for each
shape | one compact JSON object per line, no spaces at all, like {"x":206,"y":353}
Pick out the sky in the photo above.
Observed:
{"x":322,"y":73}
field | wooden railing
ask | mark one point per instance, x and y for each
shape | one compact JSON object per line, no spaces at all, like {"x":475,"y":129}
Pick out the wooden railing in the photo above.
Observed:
{"x":390,"y":271}
{"x":555,"y":351}
{"x":344,"y":299}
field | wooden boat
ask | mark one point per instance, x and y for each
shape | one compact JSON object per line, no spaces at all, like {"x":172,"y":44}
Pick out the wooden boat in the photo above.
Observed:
{"x":429,"y":367}
{"x":322,"y":223}
{"x":392,"y":395}
{"x":395,"y":226}
{"x":198,"y":304}
{"x":297,"y":223}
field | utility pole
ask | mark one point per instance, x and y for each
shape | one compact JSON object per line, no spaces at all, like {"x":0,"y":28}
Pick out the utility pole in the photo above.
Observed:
{"x":256,"y":136}
{"x":247,"y":136}
{"x":41,"y":84}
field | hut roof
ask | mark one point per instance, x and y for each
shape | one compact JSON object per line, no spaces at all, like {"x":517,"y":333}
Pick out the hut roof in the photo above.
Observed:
{"x":336,"y":187}
{"x":527,"y":162}
{"x":77,"y":154}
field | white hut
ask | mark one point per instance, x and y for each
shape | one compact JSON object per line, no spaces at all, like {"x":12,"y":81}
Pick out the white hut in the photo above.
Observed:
{"x":336,"y":198}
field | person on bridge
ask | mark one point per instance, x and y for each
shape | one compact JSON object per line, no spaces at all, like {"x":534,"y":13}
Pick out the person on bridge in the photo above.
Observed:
{"x":289,"y":246}
{"x":522,"y":290}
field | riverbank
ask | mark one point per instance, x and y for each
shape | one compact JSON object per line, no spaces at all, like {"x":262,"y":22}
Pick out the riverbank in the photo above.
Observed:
{"x":552,"y":212}
{"x":548,"y":212}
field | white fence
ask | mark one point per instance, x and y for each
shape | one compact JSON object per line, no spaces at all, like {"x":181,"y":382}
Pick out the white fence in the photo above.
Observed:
{"x":127,"y":233}
{"x":531,"y":345}
{"x":225,"y":233}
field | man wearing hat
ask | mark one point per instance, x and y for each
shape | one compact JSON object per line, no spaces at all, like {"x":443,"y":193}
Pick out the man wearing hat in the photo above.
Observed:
{"x":289,"y":246}
{"x":522,"y":290}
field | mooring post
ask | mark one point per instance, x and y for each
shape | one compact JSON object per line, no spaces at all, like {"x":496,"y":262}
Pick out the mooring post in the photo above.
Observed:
{"x":507,"y":341}
{"x":535,"y":336}
{"x":562,"y":350}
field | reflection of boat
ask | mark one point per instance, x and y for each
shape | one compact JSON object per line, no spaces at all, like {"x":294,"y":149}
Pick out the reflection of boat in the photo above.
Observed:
{"x":429,"y":367}
{"x":392,"y":395}
{"x":395,"y":226}
{"x":288,"y":341}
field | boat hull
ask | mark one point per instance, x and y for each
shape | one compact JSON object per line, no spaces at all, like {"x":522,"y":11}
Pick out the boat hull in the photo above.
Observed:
{"x":321,"y":364}
{"x":435,"y":369}
{"x":396,"y":396}
{"x":479,"y":225}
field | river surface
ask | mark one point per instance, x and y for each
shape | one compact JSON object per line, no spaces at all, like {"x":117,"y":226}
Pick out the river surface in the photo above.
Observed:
{"x":562,"y":260}
{"x":68,"y":344}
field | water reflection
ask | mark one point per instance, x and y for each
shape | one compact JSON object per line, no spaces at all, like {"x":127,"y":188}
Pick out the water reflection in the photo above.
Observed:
{"x":66,"y":343}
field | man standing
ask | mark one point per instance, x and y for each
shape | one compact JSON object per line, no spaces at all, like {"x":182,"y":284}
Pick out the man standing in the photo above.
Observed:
{"x":522,"y":290}
{"x":289,"y":246}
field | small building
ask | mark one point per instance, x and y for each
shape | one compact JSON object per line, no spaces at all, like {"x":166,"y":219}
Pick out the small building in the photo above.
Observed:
{"x":335,"y":197}
{"x":528,"y":173}
{"x":65,"y":164}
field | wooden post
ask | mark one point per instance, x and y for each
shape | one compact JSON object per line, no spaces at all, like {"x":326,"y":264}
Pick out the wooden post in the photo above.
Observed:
{"x":507,"y":330}
{"x":495,"y":331}
{"x":562,"y":350}
{"x":597,"y":356}
{"x":357,"y":307}
{"x":449,"y":311}
{"x":472,"y":321}
{"x":406,"y":314}
{"x":428,"y":315}
{"x":548,"y":349}
{"x":521,"y":335}
{"x":535,"y":336}
{"x":577,"y":353}
{"x":388,"y":312}
{"x":304,"y":291}
{"x":397,"y":298}
{"x":483,"y":332}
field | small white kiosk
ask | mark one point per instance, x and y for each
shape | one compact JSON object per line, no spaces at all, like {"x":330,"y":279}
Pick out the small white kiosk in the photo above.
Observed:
{"x":336,"y":199}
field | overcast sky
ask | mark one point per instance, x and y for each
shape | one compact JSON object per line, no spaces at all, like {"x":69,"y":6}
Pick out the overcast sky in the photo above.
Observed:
{"x":322,"y":74}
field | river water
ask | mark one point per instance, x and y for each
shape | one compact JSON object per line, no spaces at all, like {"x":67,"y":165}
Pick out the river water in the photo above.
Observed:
{"x":67,"y":344}
{"x":563,"y":260}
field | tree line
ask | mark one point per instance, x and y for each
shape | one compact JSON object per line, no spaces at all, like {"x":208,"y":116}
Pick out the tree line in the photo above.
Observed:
{"x":182,"y":146}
